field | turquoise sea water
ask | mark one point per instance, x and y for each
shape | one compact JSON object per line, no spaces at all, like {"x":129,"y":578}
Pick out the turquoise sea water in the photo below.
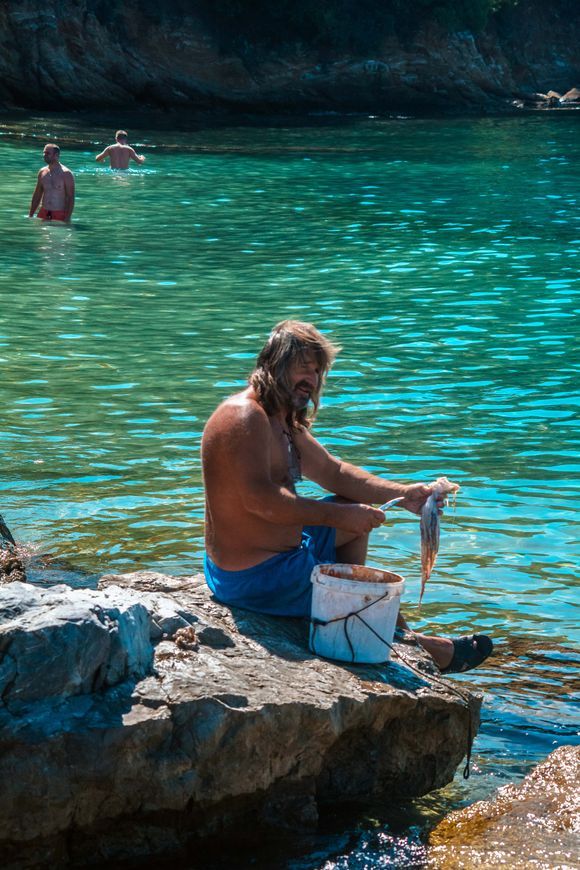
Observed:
{"x":442,"y":256}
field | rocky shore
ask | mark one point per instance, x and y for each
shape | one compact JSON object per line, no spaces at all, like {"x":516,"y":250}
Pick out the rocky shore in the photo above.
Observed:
{"x":141,"y":716}
{"x":83,"y":54}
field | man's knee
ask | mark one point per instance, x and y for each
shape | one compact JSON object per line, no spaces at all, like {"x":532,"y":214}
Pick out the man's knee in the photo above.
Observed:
{"x":343,"y":538}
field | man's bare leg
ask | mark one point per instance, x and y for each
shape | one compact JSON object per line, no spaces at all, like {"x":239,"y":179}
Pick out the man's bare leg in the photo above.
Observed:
{"x":351,"y":552}
{"x":439,"y":648}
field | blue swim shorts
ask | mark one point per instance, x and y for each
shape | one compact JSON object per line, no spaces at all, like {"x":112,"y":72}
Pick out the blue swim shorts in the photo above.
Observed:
{"x":281,"y":585}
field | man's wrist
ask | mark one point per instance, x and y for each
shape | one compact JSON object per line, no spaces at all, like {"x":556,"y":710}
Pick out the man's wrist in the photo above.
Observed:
{"x":396,"y":490}
{"x":330,"y":512}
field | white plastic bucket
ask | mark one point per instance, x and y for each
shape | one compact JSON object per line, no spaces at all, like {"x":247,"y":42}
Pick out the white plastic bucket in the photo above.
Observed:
{"x":338,"y":592}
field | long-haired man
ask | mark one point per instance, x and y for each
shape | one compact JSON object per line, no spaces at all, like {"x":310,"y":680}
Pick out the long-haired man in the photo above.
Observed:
{"x":262,"y":538}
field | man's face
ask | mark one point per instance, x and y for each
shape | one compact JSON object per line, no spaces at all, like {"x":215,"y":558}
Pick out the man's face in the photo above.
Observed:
{"x":304,"y":378}
{"x":48,"y":155}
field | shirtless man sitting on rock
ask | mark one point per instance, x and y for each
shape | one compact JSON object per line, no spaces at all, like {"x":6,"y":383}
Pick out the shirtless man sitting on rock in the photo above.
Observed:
{"x":120,"y":153}
{"x":262,"y":538}
{"x":55,"y":188}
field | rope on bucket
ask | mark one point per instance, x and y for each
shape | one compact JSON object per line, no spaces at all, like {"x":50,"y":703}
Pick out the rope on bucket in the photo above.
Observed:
{"x":316,"y":623}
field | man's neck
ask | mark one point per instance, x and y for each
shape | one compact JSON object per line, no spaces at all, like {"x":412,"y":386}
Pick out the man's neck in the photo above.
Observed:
{"x":285,"y":419}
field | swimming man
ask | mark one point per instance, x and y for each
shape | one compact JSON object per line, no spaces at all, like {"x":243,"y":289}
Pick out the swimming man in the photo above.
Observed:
{"x":120,"y":153}
{"x":55,"y":188}
{"x":262,"y":539}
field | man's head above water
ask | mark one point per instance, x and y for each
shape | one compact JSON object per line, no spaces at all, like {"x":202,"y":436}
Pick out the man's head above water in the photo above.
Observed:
{"x":51,"y":152}
{"x":291,"y":369}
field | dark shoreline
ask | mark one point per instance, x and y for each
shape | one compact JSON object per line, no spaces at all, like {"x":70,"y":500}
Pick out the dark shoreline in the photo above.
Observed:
{"x":151,"y":118}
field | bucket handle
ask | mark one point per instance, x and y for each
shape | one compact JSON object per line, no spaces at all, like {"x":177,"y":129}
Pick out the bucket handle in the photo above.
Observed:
{"x":344,"y":619}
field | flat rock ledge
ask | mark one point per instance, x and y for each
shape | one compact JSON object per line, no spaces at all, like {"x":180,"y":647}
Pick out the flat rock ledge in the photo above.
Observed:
{"x":143,"y":715}
{"x":533,"y":824}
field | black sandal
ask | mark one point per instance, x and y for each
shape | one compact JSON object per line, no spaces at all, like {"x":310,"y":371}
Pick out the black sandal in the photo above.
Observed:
{"x":468,"y":653}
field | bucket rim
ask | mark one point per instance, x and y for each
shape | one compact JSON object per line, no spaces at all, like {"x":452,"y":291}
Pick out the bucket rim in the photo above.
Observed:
{"x":354,"y":586}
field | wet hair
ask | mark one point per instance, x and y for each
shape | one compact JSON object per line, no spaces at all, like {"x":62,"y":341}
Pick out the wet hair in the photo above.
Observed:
{"x":290,"y":342}
{"x":121,"y":134}
{"x":54,"y":147}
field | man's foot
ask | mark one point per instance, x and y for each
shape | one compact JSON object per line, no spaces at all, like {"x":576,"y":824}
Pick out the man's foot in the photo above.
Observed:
{"x":468,"y":653}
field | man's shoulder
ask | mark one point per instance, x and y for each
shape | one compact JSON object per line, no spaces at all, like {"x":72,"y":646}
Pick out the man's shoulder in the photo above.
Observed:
{"x":239,"y":411}
{"x":241,"y":405}
{"x":66,"y":170}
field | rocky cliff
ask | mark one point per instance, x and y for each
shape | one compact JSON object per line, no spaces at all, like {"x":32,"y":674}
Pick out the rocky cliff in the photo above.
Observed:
{"x":62,"y":54}
{"x":138,"y":716}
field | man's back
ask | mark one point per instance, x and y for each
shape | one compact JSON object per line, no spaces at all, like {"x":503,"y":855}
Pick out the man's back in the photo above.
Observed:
{"x":243,"y":452}
{"x":120,"y":154}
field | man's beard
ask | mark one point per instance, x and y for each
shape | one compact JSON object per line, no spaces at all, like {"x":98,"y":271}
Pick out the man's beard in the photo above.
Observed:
{"x":300,"y":399}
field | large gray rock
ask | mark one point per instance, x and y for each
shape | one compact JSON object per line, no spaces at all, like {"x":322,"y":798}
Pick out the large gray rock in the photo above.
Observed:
{"x":141,"y":714}
{"x":59,"y":642}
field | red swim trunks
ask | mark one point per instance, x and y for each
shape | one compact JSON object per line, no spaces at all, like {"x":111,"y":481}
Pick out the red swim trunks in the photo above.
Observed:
{"x":47,"y":214}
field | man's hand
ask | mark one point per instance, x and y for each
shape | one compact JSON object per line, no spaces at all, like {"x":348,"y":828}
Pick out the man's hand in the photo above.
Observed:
{"x":417,"y":494}
{"x":360,"y":519}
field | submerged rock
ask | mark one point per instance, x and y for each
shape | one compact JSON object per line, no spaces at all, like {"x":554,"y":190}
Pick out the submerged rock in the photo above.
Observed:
{"x":138,"y":716}
{"x":535,"y":824}
{"x":11,"y":565}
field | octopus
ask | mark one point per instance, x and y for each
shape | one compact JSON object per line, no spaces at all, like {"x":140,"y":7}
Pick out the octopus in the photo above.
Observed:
{"x":430,"y":528}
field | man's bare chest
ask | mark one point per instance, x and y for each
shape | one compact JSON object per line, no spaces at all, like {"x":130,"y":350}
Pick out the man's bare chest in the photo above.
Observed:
{"x":285,"y":459}
{"x":53,"y":182}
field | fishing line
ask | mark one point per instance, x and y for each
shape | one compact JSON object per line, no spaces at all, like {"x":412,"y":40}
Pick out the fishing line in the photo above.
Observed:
{"x":315,"y":623}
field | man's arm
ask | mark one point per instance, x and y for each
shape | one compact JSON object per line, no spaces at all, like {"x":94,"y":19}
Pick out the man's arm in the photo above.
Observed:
{"x":36,"y":196}
{"x":103,"y":154}
{"x":69,"y":194}
{"x":349,"y":481}
{"x":242,"y":442}
{"x":138,"y":158}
